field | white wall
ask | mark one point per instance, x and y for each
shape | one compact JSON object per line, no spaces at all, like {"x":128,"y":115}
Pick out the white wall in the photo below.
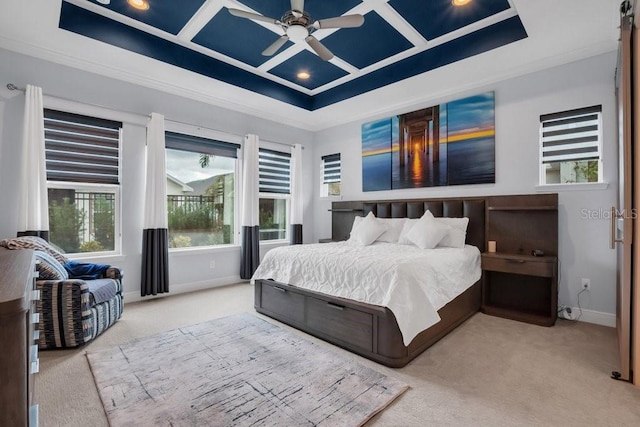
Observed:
{"x":583,"y":244}
{"x":188,"y":270}
{"x":519,"y":102}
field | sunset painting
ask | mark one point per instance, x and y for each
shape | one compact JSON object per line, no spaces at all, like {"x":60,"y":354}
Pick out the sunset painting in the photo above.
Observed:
{"x":447,"y":144}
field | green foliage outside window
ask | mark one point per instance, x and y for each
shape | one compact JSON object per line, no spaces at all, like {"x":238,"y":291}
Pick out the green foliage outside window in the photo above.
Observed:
{"x":205,"y":220}
{"x":65,"y":222}
{"x":81,"y":221}
{"x":103,"y":223}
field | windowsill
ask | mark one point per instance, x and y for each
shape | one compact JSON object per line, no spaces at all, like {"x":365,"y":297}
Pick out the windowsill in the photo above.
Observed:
{"x":226,"y":248}
{"x":331,"y":197}
{"x":101,"y":258}
{"x":279,"y":242}
{"x":202,"y":250}
{"x":573,"y":187}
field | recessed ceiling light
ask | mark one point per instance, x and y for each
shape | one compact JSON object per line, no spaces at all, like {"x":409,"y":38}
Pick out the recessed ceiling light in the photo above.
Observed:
{"x":139,"y":4}
{"x":460,"y":2}
{"x":303,"y":75}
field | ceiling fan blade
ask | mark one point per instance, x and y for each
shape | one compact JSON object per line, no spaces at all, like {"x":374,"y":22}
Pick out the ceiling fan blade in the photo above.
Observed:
{"x":347,"y":21}
{"x":324,"y":53}
{"x":275,"y":46}
{"x":251,"y":15}
{"x":297,"y":5}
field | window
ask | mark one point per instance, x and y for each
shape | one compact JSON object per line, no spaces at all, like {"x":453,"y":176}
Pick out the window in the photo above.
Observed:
{"x":200,"y":190}
{"x":275,"y":191}
{"x":82,"y":161}
{"x":570,"y":146}
{"x":331,"y":169}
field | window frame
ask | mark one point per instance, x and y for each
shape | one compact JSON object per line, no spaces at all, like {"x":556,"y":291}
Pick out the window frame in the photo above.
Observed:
{"x":280,"y":196}
{"x":542,"y":181}
{"x":324,"y":186}
{"x":101,"y":114}
{"x":200,"y":132}
{"x":287,"y":199}
{"x":96,"y":188}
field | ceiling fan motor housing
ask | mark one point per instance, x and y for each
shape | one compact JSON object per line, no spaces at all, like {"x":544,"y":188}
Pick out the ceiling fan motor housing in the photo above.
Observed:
{"x":297,"y":24}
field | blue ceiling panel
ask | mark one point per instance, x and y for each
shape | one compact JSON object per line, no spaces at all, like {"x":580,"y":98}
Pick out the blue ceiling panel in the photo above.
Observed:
{"x":322,"y":72}
{"x":89,"y":24}
{"x":374,"y":41}
{"x":483,"y":40}
{"x":318,"y":9}
{"x":434,"y":18}
{"x":244,"y":40}
{"x":167,"y":15}
{"x":238,"y":38}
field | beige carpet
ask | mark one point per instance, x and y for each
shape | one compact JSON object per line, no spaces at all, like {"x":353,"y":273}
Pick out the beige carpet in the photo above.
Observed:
{"x":488,"y":372}
{"x":239,"y":370}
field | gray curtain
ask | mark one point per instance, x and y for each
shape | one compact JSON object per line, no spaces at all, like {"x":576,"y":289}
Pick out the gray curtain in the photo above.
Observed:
{"x":296,"y":195}
{"x":155,"y":262}
{"x":250,"y":244}
{"x":33,"y":205}
{"x":155,"y":239}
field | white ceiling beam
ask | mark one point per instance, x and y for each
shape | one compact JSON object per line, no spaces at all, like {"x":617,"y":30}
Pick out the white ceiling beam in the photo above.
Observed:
{"x":201,"y":18}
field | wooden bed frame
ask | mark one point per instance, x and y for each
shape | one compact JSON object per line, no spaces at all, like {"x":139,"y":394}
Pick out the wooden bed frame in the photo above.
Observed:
{"x":370,"y":330}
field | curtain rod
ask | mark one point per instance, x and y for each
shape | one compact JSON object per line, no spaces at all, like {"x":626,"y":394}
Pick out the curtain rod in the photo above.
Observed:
{"x":11,"y":86}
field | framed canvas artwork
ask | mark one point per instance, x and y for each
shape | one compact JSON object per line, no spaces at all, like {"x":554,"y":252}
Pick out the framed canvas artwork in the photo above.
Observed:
{"x":446,"y":144}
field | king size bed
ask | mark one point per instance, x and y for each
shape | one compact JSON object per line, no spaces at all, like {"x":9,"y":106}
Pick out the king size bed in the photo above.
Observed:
{"x":383,"y":300}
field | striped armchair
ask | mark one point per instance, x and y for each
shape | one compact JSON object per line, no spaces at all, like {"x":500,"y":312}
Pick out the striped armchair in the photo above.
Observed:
{"x":72,"y":310}
{"x":75,"y":311}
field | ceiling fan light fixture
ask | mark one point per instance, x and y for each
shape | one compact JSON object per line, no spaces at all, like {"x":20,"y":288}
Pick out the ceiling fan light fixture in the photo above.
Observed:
{"x":297,"y":32}
{"x":460,"y":2}
{"x":139,"y":4}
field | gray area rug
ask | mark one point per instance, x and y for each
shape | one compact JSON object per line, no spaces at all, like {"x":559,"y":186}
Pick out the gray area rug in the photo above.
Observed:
{"x":236,"y":371}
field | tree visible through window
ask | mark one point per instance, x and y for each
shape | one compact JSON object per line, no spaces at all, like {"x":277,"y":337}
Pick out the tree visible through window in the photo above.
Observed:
{"x":200,"y":191}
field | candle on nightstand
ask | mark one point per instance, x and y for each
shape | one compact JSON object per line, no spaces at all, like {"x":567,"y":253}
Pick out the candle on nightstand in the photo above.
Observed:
{"x":491,"y":245}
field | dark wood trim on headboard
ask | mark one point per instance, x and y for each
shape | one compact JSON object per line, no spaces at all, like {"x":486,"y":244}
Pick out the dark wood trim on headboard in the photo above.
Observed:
{"x":519,"y":223}
{"x":343,"y":214}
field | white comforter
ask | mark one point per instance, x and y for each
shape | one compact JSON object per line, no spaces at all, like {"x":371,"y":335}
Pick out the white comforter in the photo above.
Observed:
{"x":413,"y":283}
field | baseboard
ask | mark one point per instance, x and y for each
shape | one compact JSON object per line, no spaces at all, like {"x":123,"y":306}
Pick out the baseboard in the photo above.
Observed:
{"x":184,"y":288}
{"x":596,"y":317}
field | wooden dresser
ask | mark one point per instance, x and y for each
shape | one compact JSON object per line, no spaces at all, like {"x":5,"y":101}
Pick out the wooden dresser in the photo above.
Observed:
{"x":19,"y":354}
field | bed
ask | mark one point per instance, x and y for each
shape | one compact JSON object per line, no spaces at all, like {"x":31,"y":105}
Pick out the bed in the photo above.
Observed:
{"x":373,"y":330}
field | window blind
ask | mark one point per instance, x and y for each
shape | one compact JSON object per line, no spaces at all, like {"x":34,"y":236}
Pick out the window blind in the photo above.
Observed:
{"x":196,"y":144}
{"x":331,"y":168}
{"x":274,"y":171}
{"x":571,"y":135}
{"x":81,"y":148}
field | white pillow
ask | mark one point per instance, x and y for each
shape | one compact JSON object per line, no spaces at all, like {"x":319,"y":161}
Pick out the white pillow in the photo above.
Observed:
{"x":356,"y":222}
{"x":457,"y":235}
{"x":367,"y":231}
{"x":406,"y":231}
{"x":394,"y":228}
{"x":428,"y":232}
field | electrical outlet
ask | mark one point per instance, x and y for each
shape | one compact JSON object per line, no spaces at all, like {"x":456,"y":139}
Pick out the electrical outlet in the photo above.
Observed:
{"x":586,"y":284}
{"x":212,"y":263}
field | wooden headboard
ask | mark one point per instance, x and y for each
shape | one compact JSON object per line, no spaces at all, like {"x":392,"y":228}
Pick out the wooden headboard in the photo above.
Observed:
{"x":343,"y":213}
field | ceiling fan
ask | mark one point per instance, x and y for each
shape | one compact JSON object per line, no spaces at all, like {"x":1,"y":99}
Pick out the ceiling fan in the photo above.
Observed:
{"x":298,"y":25}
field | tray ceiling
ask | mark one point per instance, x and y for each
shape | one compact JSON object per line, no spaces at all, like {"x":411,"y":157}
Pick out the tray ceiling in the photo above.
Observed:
{"x":399,"y":39}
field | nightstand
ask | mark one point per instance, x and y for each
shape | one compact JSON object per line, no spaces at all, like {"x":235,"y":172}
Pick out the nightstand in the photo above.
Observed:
{"x":520,"y":287}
